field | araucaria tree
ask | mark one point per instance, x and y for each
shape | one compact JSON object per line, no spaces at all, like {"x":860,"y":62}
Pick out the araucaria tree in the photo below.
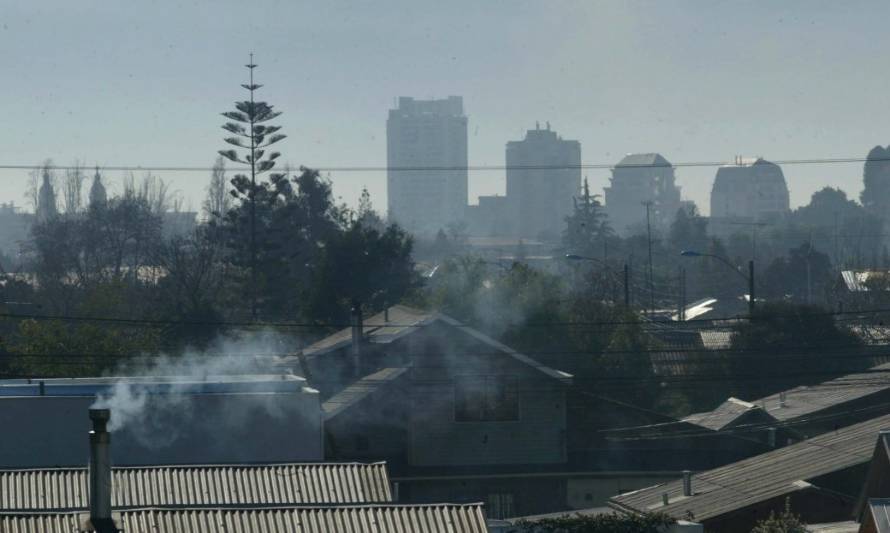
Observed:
{"x":251,"y":134}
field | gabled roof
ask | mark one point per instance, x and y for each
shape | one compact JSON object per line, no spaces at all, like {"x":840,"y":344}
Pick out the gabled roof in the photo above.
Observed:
{"x":728,"y":413}
{"x":65,"y":489}
{"x":758,"y":479}
{"x":360,"y":390}
{"x":798,"y":402}
{"x":403,"y":320}
{"x":643,"y":160}
{"x":387,"y":518}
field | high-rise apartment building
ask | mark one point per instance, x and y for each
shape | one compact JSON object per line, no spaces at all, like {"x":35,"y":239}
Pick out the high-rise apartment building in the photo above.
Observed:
{"x":427,"y":158}
{"x":747,"y":191}
{"x":543,"y":175}
{"x":637,"y":180}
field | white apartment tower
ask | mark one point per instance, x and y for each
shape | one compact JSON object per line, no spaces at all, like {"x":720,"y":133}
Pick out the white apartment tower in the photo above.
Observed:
{"x":426,"y":156}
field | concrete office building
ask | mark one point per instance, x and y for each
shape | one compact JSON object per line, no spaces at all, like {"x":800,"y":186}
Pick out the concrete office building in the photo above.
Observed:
{"x":748,"y":191}
{"x":636,"y":180}
{"x":543,"y":175}
{"x":427,"y":159}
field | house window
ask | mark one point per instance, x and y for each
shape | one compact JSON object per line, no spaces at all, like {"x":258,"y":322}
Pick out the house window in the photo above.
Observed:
{"x":490,"y":399}
{"x":499,"y":505}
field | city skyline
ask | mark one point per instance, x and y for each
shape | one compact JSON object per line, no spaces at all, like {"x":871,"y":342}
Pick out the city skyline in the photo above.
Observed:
{"x":155,"y":97}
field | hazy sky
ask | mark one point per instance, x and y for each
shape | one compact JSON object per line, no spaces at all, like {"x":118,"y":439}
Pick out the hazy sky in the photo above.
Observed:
{"x":143,"y":83}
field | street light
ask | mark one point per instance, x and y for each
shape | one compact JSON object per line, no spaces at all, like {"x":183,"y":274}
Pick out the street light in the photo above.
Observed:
{"x":749,"y":278}
{"x":576,"y":257}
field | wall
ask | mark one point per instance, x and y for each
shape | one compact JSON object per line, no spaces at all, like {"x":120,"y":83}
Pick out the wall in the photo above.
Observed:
{"x":43,"y":431}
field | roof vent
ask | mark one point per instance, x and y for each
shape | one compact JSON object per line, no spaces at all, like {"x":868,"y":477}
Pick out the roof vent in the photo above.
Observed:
{"x":687,"y":483}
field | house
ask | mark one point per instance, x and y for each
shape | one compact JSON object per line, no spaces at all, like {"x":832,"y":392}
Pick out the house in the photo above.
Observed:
{"x":823,"y":477}
{"x":164,"y":420}
{"x":457,"y":415}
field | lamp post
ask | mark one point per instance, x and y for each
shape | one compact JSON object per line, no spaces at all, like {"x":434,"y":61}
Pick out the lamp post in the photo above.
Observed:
{"x":749,"y":278}
{"x":576,"y":257}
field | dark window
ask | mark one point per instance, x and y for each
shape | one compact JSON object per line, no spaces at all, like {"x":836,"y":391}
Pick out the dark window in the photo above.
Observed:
{"x":490,"y":399}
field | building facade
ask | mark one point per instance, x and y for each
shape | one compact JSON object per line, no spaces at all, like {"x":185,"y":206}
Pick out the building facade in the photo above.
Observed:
{"x":636,"y":180}
{"x":543,"y":175}
{"x":427,"y":164}
{"x":748,"y":191}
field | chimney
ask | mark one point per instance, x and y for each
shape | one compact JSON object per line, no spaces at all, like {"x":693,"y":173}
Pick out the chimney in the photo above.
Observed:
{"x":782,"y":399}
{"x":100,"y":473}
{"x":687,"y":483}
{"x":356,"y":321}
{"x":771,"y":437}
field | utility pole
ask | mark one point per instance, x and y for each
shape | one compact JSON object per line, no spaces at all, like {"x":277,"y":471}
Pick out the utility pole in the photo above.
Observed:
{"x":648,"y":204}
{"x":681,"y":295}
{"x":751,"y":288}
{"x":626,"y":277}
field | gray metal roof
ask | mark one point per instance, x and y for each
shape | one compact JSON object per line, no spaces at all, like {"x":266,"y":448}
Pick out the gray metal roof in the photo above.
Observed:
{"x":809,"y":399}
{"x":724,"y":415}
{"x":360,"y":390}
{"x":433,"y":518}
{"x":772,"y":474}
{"x":879,"y":511}
{"x":200,"y":486}
{"x":847,"y":526}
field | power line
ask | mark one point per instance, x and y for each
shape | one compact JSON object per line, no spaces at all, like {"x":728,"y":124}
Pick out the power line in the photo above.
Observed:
{"x":384,"y":168}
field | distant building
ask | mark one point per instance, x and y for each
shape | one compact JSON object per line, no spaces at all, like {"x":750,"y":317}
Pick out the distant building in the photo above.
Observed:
{"x":491,"y":217}
{"x":543,"y":174}
{"x":747,"y":191}
{"x":427,"y":159}
{"x":14,"y":228}
{"x":637,"y":179}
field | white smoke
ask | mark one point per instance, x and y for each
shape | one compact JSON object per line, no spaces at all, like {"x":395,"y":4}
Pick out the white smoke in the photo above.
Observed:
{"x":146,"y":395}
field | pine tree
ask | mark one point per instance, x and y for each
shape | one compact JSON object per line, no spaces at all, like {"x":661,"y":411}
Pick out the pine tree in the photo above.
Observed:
{"x":247,"y":124}
{"x":587,"y":228}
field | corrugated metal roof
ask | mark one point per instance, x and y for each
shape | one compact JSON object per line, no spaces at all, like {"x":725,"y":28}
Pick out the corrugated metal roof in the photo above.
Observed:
{"x":433,"y":518}
{"x":716,"y":339}
{"x":724,"y":415}
{"x":772,"y":474}
{"x":360,"y":390}
{"x":197,"y":486}
{"x":879,"y":509}
{"x":859,"y":280}
{"x":809,"y":399}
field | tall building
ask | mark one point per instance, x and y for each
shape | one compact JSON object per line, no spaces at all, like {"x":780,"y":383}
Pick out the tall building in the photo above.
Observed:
{"x":426,"y":143}
{"x":543,"y":175}
{"x":747,"y":191}
{"x":636,"y":180}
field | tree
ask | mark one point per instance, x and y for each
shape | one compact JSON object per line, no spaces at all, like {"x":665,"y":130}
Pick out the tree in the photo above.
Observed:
{"x":587,"y":228}
{"x":47,"y":209}
{"x":804,"y":275}
{"x":218,"y":200}
{"x":875,"y":196}
{"x":783,"y":342}
{"x":786,"y":522}
{"x":689,"y":230}
{"x":366,"y":215}
{"x":247,"y":124}
{"x":98,"y":194}
{"x":604,"y":523}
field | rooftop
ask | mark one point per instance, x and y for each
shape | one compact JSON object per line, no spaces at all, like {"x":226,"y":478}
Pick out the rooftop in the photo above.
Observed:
{"x":66,"y":489}
{"x":154,"y":385}
{"x":386,"y":518}
{"x":360,"y":390}
{"x":757,"y":479}
{"x":643,"y":160}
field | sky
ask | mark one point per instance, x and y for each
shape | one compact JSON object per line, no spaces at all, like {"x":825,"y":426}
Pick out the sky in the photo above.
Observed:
{"x":144,"y":83}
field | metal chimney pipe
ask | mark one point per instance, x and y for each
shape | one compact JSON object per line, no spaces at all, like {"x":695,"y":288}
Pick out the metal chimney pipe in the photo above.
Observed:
{"x":100,"y":470}
{"x":356,"y":321}
{"x":687,"y":483}
{"x":771,"y":437}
